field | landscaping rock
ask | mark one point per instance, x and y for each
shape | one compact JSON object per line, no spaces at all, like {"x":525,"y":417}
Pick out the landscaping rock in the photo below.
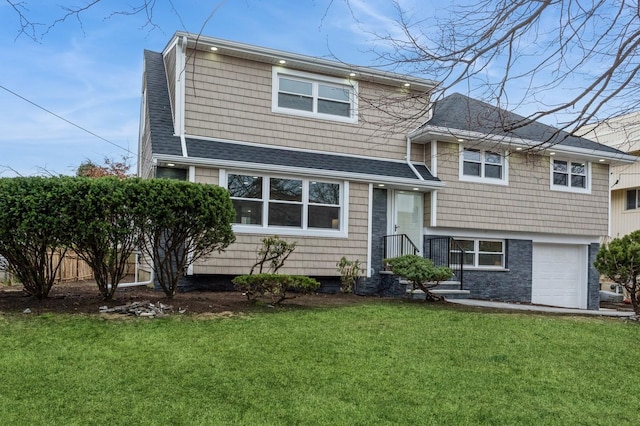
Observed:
{"x":139,"y":309}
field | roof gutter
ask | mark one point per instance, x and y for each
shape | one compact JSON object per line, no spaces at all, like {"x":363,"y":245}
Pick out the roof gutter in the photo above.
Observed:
{"x":332,"y":174}
{"x":452,"y":134}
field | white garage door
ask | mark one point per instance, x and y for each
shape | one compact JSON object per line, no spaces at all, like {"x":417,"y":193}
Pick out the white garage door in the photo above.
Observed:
{"x":559,"y":275}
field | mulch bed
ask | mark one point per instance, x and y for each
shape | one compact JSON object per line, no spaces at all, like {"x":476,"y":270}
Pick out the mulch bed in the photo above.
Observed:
{"x":84,"y":298}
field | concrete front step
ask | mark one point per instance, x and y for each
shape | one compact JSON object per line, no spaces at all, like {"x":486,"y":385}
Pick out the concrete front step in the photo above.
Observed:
{"x":446,"y":293}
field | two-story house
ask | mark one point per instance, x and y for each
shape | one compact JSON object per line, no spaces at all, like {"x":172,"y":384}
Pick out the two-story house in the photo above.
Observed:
{"x":356,"y":162}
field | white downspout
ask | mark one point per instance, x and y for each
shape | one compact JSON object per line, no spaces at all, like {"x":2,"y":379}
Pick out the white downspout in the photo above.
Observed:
{"x":408,"y":157}
{"x":181,"y":70}
{"x":135,"y":276}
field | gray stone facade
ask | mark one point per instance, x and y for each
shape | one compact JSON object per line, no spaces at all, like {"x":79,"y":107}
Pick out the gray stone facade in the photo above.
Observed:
{"x":374,"y":285}
{"x":513,"y":284}
{"x":593,"y":289}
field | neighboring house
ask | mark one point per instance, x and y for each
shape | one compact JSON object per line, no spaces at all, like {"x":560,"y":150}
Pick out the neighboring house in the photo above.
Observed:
{"x":343,"y":159}
{"x":622,"y":133}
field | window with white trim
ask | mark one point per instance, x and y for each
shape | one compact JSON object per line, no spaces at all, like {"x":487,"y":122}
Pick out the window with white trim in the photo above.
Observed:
{"x":633,"y":199}
{"x":314,"y":96}
{"x":478,"y":165}
{"x":569,"y":175}
{"x":284,"y":202}
{"x":479,"y":253}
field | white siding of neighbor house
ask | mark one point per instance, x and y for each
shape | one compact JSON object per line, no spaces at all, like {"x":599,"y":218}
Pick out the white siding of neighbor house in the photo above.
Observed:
{"x":626,"y":221}
{"x":314,"y":256}
{"x":526,"y":205}
{"x":230,"y":98}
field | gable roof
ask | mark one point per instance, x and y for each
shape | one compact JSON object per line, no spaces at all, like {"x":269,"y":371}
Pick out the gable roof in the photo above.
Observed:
{"x":461,"y":116}
{"x":160,"y":117}
{"x":168,"y":147}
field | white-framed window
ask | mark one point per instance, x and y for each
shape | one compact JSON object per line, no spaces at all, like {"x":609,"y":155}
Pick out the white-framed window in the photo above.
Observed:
{"x":315,"y":96}
{"x":480,"y":253}
{"x":287,"y":204}
{"x":571,"y":176}
{"x":633,"y":199}
{"x":478,"y":165}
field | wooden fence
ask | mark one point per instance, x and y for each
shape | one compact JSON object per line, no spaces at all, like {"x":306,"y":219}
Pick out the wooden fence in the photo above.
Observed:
{"x":72,"y":268}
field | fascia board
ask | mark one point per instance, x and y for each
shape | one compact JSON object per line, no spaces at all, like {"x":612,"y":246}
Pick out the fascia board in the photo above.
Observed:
{"x":511,"y":142}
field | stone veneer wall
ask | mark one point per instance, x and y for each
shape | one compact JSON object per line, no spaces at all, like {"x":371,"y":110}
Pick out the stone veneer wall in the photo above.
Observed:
{"x":378,"y":230}
{"x":593,"y":289}
{"x":513,"y":284}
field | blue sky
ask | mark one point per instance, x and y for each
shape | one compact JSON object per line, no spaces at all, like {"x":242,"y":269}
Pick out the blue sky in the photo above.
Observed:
{"x":90,"y":72}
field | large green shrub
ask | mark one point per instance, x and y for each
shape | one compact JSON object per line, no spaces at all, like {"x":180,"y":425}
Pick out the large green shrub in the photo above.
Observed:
{"x":184,"y":221}
{"x":422,"y":272}
{"x":106,"y":227}
{"x":274,"y":287}
{"x":35,"y":229}
{"x":619,"y":260}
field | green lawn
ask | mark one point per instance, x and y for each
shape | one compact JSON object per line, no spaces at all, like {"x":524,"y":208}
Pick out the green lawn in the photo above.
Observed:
{"x":372,"y":364}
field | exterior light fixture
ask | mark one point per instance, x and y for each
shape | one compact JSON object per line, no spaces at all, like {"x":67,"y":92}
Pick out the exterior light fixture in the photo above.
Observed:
{"x":460,"y":140}
{"x":407,"y":84}
{"x":170,"y":165}
{"x":601,"y":160}
{"x":381,"y":185}
{"x":282,"y":62}
{"x":552,"y":153}
{"x":214,"y":49}
{"x":352,"y":74}
{"x":416,"y":189}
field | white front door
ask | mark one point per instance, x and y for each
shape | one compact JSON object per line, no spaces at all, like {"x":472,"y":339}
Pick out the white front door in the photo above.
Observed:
{"x":407,"y":217}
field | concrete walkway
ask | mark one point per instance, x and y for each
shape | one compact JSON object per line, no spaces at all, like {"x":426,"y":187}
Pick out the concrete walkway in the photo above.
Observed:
{"x":539,"y":308}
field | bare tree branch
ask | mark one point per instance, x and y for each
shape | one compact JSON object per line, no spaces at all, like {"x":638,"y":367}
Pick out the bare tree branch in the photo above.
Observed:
{"x":566,"y":62}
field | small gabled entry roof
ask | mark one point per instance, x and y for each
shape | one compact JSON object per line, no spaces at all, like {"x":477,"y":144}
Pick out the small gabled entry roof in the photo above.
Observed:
{"x":459,"y":116}
{"x":167,"y":147}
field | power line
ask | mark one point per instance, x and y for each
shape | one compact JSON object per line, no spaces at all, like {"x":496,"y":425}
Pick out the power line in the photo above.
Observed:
{"x":67,"y":121}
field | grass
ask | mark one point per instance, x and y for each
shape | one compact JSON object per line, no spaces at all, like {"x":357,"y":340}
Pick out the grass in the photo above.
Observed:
{"x":375,"y":363}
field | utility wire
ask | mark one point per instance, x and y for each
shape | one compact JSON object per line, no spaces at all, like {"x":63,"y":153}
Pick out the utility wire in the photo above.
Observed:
{"x":67,"y":121}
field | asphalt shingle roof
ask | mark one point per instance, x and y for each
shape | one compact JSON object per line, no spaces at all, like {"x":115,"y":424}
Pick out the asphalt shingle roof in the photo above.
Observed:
{"x":460,"y":112}
{"x":304,"y":159}
{"x":163,"y":142}
{"x":159,"y":105}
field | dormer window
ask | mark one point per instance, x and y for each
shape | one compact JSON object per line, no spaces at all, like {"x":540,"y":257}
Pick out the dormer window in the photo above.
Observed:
{"x":314,"y":96}
{"x":477,"y":165}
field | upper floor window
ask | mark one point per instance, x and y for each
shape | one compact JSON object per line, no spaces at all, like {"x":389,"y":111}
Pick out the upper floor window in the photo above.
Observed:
{"x":315,"y":96}
{"x":633,"y":200}
{"x":478,"y":165}
{"x":570,"y":175}
{"x":281,"y":202}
